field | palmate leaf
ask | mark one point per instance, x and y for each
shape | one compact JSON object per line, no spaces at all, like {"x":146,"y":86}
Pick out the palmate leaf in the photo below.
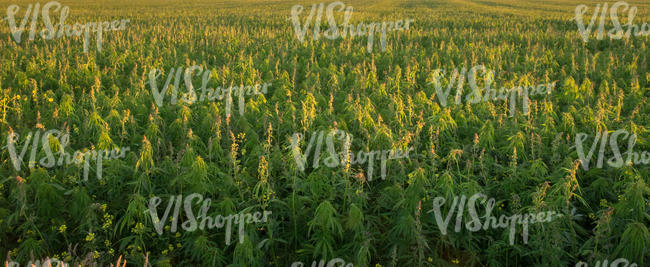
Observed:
{"x":354,"y":220}
{"x":176,"y":132}
{"x":105,"y":142}
{"x":202,"y":249}
{"x":153,"y":132}
{"x":66,"y":106}
{"x":404,"y":234}
{"x":80,"y":204}
{"x":635,"y":243}
{"x":145,"y":162}
{"x":324,"y":245}
{"x":635,"y":192}
{"x":47,"y":199}
{"x":95,"y":125}
{"x":195,"y":177}
{"x":325,"y":219}
{"x":246,"y":254}
{"x":487,"y":135}
{"x":208,"y":123}
{"x":31,"y":247}
{"x":135,"y":212}
{"x":517,"y":142}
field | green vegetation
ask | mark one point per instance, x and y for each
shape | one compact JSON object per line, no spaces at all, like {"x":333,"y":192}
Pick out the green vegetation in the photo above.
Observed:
{"x":384,"y":99}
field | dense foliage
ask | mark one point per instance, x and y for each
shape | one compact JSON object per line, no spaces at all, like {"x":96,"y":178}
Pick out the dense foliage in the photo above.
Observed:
{"x":384,"y":99}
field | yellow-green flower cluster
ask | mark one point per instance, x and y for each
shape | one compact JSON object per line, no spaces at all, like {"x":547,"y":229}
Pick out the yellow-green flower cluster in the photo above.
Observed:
{"x":108,"y":221}
{"x":90,"y":237}
{"x":138,"y":229}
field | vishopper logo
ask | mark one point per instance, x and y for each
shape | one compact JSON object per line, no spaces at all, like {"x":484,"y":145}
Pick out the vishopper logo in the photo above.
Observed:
{"x":487,"y":93}
{"x":55,"y":141}
{"x":206,"y":222}
{"x":345,"y":157}
{"x":58,"y":30}
{"x":620,"y":262}
{"x":53,"y":262}
{"x":618,"y":32}
{"x":331,"y":263}
{"x":600,"y":142}
{"x":475,"y":224}
{"x":185,"y":75}
{"x":335,"y":32}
